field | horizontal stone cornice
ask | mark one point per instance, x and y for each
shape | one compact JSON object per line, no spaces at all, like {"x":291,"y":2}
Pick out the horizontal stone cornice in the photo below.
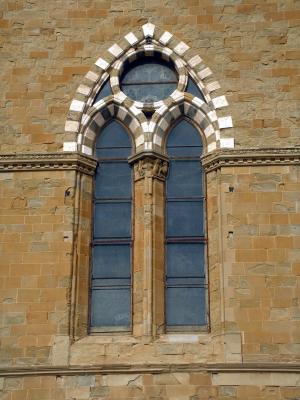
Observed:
{"x":47,"y":162}
{"x":249,"y":157}
{"x":39,"y":370}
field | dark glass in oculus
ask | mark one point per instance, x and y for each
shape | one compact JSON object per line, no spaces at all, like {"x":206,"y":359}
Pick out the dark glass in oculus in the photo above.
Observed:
{"x":149,"y":79}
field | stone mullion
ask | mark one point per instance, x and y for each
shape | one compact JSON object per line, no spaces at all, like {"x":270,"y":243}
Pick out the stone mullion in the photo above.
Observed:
{"x":148,"y":246}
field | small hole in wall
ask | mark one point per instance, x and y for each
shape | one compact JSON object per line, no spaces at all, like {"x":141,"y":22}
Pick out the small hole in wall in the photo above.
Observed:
{"x":231,"y":189}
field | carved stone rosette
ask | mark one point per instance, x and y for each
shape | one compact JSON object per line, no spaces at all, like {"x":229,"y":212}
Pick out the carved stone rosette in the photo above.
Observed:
{"x":150,"y":167}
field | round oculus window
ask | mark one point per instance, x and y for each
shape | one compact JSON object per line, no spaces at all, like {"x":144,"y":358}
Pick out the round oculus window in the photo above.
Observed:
{"x":149,"y":79}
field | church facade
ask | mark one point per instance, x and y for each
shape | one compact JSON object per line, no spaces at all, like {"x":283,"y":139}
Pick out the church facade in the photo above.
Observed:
{"x":150,"y":200}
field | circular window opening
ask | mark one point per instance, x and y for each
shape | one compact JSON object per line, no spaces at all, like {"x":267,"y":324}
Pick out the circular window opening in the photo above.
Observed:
{"x":149,"y":79}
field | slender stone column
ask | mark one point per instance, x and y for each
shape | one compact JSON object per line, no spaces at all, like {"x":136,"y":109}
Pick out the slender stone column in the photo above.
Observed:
{"x":148,"y":259}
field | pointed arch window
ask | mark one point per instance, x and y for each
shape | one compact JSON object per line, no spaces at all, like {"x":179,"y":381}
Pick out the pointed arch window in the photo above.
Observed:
{"x":112,"y":232}
{"x":185,"y":282}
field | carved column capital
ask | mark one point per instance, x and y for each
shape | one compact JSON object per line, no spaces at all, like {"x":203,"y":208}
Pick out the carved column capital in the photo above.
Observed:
{"x":150,"y":167}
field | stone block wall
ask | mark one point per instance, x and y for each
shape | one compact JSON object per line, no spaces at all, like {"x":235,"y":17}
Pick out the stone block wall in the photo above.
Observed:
{"x":251,"y":349}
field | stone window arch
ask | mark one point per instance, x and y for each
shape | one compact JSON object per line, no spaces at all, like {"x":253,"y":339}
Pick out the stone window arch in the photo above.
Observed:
{"x":100,"y":99}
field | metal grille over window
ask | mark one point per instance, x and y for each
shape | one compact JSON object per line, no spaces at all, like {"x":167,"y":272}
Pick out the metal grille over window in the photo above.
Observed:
{"x":149,"y":80}
{"x":111,"y":270}
{"x":185,"y":231}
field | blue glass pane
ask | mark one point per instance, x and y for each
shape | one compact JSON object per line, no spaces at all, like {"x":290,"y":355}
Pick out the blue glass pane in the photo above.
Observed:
{"x":184,"y":134}
{"x":185,"y":179}
{"x":112,"y":220}
{"x":185,"y":259}
{"x":113,"y":180}
{"x":194,"y":89}
{"x":111,"y":261}
{"x":103,"y":92}
{"x":114,"y":135}
{"x":149,"y":93}
{"x":110,"y":307}
{"x":184,"y":218}
{"x":185,"y":306}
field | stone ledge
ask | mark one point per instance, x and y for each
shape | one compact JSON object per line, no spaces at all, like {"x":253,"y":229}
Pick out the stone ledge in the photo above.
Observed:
{"x":47,"y":162}
{"x":249,"y":157}
{"x":236,"y":368}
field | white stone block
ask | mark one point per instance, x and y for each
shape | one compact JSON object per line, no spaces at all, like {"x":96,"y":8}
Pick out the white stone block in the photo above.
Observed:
{"x":115,"y":50}
{"x":145,"y":126}
{"x":165,"y":37}
{"x":83,"y":89}
{"x":196,"y":60}
{"x":157,"y":140}
{"x":148,"y":29}
{"x":209,"y":131}
{"x":77,"y":105}
{"x":227,"y":142}
{"x":120,"y":97}
{"x":167,"y":52}
{"x":86,"y":150}
{"x":162,"y":109}
{"x":211,"y":147}
{"x":211,"y":87}
{"x":139,"y":140}
{"x":220,"y":102}
{"x":70,"y":146}
{"x":131,"y":38}
{"x":176,"y":95}
{"x":225,"y":122}
{"x":134,"y":110}
{"x":181,"y":48}
{"x":92,"y":76}
{"x":204,"y":73}
{"x":198,"y":102}
{"x":212,"y":115}
{"x":102,"y":63}
{"x":114,"y":81}
{"x":71,"y":126}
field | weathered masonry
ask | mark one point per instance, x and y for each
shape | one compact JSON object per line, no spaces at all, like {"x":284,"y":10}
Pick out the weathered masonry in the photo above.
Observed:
{"x":150,"y":202}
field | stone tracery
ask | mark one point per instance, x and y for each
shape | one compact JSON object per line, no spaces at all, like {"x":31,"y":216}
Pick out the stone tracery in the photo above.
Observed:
{"x":84,"y":119}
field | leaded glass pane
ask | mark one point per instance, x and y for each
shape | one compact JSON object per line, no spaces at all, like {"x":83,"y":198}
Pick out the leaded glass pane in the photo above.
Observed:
{"x":185,"y":178}
{"x":113,"y":180}
{"x":185,"y":306}
{"x":112,"y":220}
{"x":111,"y":260}
{"x":111,"y":307}
{"x":184,"y":218}
{"x":185,"y":259}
